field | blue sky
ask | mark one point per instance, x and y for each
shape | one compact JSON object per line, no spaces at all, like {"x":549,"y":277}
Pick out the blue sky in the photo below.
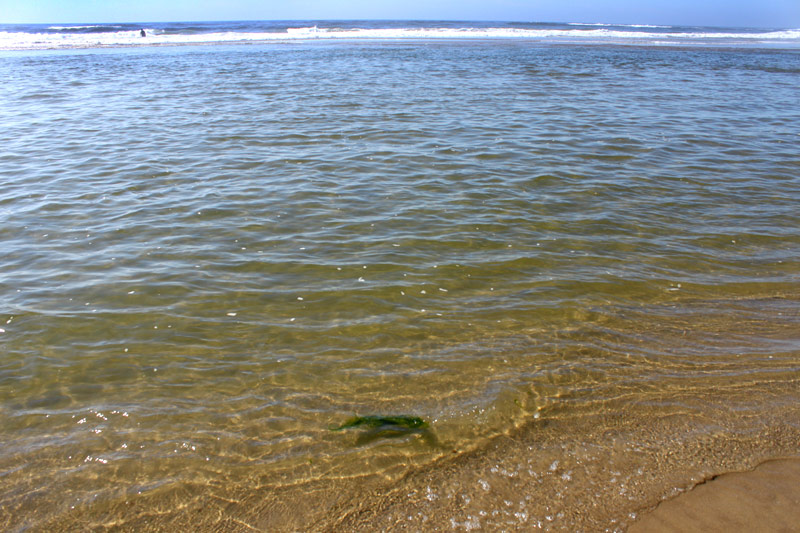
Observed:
{"x":760,"y":13}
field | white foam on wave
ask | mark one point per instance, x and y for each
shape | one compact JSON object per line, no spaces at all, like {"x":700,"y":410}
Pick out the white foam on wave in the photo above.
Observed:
{"x":296,"y":31}
{"x":81,"y":27}
{"x":616,"y":25}
{"x":34,"y":41}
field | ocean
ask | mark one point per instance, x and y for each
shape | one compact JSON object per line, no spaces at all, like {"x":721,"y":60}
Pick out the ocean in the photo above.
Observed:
{"x":339,"y":276}
{"x":60,"y":36}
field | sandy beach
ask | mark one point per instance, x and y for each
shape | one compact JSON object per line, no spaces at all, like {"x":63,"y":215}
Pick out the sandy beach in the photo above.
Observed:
{"x":766,"y":498}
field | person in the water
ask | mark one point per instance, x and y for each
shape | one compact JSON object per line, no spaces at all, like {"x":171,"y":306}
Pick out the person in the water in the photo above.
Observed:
{"x":143,"y":33}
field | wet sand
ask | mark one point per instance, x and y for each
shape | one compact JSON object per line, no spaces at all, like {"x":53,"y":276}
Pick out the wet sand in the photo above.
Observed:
{"x":764,"y":499}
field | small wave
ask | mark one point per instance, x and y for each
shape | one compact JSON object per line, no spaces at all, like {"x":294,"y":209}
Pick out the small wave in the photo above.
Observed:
{"x":80,"y":27}
{"x":644,"y":26}
{"x":298,"y":31}
{"x":616,"y":25}
{"x":101,"y":28}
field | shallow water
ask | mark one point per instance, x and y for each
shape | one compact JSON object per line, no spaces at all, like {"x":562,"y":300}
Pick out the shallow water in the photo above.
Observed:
{"x":213,"y":255}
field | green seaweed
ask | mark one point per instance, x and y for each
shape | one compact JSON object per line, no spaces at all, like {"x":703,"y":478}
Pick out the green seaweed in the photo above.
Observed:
{"x":398,"y":423}
{"x":378,"y":427}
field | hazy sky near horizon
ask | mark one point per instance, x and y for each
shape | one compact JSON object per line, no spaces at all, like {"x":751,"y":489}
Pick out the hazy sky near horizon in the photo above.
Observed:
{"x":750,"y":13}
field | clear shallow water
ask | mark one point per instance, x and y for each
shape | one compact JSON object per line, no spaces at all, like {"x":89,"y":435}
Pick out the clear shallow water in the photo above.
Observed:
{"x":211,"y":255}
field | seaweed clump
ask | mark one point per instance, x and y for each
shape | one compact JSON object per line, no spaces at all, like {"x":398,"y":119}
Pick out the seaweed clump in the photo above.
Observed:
{"x":388,"y":427}
{"x":387,"y":422}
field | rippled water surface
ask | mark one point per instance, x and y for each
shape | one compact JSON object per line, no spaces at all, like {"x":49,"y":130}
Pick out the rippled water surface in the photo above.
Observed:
{"x":211,"y":256}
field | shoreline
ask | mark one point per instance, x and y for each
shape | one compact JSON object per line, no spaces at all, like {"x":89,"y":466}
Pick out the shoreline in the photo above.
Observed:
{"x":766,"y":498}
{"x":597,"y":471}
{"x":606,"y":468}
